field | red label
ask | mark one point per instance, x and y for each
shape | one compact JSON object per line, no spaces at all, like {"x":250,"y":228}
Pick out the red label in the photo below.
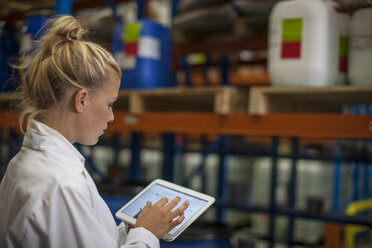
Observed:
{"x":342,"y":67}
{"x":130,"y":48}
{"x":291,"y":50}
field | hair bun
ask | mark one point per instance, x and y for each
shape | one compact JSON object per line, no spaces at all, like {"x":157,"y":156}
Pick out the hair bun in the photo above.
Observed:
{"x":66,"y":28}
{"x":59,"y":30}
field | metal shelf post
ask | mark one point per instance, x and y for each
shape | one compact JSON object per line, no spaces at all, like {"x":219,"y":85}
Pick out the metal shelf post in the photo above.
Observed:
{"x":63,"y":7}
{"x":168,"y":156}
{"x":337,"y":174}
{"x":274,"y":179}
{"x":135,"y":169}
{"x":222,"y":190}
{"x":292,"y":190}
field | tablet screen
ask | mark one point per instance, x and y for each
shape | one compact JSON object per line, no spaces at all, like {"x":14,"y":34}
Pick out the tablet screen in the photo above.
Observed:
{"x":155,"y":193}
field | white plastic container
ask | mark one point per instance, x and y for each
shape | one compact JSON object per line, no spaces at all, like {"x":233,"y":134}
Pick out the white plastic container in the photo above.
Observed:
{"x":343,"y":25}
{"x":313,"y":180}
{"x":303,"y":43}
{"x":360,"y":49}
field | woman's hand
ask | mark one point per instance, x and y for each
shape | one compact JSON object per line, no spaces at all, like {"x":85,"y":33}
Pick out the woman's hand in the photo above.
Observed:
{"x":159,"y":218}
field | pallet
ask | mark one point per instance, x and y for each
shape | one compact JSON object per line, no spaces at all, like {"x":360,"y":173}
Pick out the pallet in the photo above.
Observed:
{"x":264,"y":100}
{"x":219,"y":100}
{"x":227,"y":99}
{"x":212,"y":99}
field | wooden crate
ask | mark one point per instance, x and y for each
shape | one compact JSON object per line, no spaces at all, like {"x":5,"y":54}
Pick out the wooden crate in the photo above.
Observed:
{"x":263,"y":100}
{"x":220,"y":100}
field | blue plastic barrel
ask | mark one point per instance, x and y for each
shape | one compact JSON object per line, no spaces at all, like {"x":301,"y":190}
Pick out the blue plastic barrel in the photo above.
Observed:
{"x":143,"y":50}
{"x":32,"y":30}
{"x":8,"y":51}
{"x":33,"y":25}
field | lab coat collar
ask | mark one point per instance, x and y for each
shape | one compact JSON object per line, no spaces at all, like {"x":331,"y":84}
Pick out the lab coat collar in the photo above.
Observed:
{"x":38,"y":136}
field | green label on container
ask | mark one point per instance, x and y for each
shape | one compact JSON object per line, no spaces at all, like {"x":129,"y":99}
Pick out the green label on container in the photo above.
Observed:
{"x":291,"y":30}
{"x":131,"y":32}
{"x":343,"y":46}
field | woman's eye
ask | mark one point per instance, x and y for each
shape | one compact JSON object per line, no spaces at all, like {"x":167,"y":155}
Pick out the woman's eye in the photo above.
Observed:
{"x":111,"y":105}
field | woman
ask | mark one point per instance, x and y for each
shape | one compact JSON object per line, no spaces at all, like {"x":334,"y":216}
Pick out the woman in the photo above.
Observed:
{"x":47,"y":197}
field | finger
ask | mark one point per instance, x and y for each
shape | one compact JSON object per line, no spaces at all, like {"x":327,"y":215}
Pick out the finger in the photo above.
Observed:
{"x":162,"y":202}
{"x":178,"y":221}
{"x":173,"y":203}
{"x":148,"y":205}
{"x":179,"y":211}
{"x":145,"y":208}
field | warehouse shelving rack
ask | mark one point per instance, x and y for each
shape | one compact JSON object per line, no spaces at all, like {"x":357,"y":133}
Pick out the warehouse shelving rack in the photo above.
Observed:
{"x":295,"y":126}
{"x":276,"y":126}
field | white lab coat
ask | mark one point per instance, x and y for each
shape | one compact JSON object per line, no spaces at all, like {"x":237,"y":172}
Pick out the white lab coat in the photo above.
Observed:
{"x":48,"y":199}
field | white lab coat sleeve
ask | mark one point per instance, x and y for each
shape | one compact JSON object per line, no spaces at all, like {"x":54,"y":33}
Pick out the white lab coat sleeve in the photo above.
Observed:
{"x":66,"y":220}
{"x":136,"y":235}
{"x":122,"y":229}
{"x":141,"y":235}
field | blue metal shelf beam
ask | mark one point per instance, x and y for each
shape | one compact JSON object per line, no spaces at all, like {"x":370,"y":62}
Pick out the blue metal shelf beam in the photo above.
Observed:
{"x":326,"y":216}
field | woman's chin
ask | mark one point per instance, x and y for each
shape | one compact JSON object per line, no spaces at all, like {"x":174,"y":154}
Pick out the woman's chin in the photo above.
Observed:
{"x":90,"y":142}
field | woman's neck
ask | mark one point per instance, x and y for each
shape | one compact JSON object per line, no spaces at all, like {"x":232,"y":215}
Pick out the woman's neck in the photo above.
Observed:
{"x":60,"y":118}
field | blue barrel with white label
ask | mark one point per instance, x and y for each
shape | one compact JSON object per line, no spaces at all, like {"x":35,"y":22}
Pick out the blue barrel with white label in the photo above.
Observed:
{"x":34,"y":22}
{"x":32,"y":30}
{"x":142,"y":50}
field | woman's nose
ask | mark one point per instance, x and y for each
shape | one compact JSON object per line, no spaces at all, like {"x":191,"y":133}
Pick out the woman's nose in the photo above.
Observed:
{"x":111,"y":117}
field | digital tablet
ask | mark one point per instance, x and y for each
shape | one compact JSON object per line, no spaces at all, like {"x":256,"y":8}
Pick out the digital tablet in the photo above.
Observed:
{"x":198,"y":203}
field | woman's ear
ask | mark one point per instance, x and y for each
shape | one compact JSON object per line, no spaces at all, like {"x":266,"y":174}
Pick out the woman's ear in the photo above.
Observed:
{"x":80,"y":100}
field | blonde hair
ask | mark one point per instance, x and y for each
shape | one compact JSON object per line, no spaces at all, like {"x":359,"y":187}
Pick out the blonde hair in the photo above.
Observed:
{"x":63,"y":60}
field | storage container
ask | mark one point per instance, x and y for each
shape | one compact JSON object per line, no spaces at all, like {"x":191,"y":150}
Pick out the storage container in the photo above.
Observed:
{"x":360,"y":53}
{"x":303,"y":43}
{"x":32,"y":29}
{"x":142,"y":50}
{"x":313,"y":181}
